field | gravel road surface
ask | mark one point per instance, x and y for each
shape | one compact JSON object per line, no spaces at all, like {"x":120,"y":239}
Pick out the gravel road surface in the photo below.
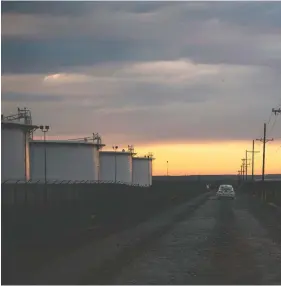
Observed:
{"x":203,"y":241}
{"x":221,"y":242}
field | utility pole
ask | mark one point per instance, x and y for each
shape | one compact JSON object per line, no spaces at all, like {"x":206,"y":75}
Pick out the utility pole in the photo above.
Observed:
{"x":239,"y":176}
{"x":253,"y":151}
{"x":264,"y":140}
{"x":246,"y":165}
{"x":243,"y":169}
{"x":45,"y":129}
{"x":167,"y":168}
{"x":115,"y":163}
{"x":253,"y":158}
{"x":241,"y":172}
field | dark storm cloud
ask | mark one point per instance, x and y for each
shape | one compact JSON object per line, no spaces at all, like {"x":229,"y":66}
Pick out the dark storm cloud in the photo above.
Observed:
{"x":135,"y":95}
{"x":52,"y":56}
{"x":77,"y":8}
{"x":58,"y":8}
{"x":140,"y":7}
{"x":100,"y":36}
{"x":257,"y":15}
{"x":227,"y":97}
{"x":27,"y":98}
{"x":41,"y":98}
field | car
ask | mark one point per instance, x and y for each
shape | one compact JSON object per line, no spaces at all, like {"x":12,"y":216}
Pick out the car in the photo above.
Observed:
{"x":226,"y":191}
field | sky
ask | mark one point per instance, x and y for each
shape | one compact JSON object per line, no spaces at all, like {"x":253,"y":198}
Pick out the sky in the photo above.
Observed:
{"x":192,"y":82}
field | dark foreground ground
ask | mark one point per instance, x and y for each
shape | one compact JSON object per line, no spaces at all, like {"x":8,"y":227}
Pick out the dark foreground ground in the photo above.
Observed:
{"x":38,"y":229}
{"x":201,"y":241}
{"x":222,"y":242}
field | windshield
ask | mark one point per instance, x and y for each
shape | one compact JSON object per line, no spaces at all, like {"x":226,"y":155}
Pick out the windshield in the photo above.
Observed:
{"x":226,"y":188}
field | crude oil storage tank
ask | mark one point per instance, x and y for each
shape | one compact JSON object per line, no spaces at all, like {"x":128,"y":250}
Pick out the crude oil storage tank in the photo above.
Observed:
{"x":15,"y":148}
{"x":64,"y":160}
{"x":142,"y":171}
{"x":116,"y":167}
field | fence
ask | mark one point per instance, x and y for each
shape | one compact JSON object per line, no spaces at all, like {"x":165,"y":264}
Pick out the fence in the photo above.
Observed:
{"x":13,"y":181}
{"x":39,"y":192}
{"x":269,"y":191}
{"x":74,"y":214}
{"x":55,"y":207}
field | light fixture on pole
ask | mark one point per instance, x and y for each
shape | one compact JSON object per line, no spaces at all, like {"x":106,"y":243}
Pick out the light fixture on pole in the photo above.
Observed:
{"x":149,"y":156}
{"x":45,"y":129}
{"x":131,"y":149}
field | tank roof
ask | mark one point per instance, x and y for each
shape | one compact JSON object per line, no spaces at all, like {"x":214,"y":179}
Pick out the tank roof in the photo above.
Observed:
{"x":12,"y":124}
{"x":117,"y":152}
{"x":143,"y":158}
{"x":66,"y":142}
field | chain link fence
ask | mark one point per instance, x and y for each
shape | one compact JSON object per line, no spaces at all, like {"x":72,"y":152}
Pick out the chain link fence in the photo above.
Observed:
{"x":267,"y":191}
{"x":43,"y":218}
{"x":29,"y":204}
{"x":39,"y":192}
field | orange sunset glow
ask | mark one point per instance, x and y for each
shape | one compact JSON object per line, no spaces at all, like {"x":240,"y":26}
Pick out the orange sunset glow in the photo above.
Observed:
{"x":203,"y":158}
{"x":211,"y":158}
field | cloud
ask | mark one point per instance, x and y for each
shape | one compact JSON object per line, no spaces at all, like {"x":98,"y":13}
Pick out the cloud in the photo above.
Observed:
{"x":151,"y":102}
{"x":79,"y":8}
{"x":141,"y":83}
{"x":143,"y":71}
{"x":230,"y":33}
{"x":20,"y":97}
{"x":64,"y":78}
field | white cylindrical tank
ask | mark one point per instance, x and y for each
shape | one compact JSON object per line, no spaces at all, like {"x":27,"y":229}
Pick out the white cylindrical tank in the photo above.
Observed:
{"x":15,"y":151}
{"x":142,"y":171}
{"x":65,"y":160}
{"x":116,"y":167}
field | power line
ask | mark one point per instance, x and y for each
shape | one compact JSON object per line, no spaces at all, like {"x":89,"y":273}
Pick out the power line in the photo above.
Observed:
{"x":275,"y":112}
{"x":270,"y":117}
{"x":274,"y":123}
